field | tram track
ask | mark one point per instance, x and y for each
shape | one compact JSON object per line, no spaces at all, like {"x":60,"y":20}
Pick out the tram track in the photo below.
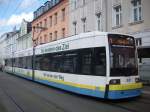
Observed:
{"x":52,"y":105}
{"x":12,"y":100}
{"x":120,"y":104}
{"x":124,"y":105}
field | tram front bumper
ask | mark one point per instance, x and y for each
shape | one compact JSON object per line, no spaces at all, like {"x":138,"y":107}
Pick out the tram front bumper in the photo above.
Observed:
{"x":124,"y":91}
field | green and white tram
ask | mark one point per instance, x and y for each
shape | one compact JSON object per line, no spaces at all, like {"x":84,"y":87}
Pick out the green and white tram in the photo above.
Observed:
{"x":98,"y":64}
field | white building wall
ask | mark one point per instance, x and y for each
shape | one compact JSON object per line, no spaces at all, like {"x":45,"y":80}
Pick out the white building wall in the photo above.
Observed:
{"x":139,"y":29}
{"x":89,"y":10}
{"x":24,"y":40}
{"x":2,"y":49}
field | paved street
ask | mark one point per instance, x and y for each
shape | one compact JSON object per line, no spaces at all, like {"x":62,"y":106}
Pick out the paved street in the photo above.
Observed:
{"x":20,"y":95}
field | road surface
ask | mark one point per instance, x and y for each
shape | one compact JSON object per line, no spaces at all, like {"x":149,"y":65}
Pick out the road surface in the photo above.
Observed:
{"x":20,"y":95}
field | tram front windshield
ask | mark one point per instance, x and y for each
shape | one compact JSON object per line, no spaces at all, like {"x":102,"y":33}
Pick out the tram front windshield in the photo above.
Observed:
{"x":123,"y":61}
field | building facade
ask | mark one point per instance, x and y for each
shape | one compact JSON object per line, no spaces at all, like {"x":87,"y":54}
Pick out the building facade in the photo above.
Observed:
{"x":50,"y":22}
{"x":120,"y":16}
{"x":8,"y":45}
{"x":24,"y":39}
{"x":11,"y":45}
{"x":2,"y":47}
{"x":132,"y":17}
{"x":87,"y":15}
{"x":15,"y":41}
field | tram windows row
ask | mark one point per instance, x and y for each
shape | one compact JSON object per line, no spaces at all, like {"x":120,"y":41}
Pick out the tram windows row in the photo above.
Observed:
{"x":8,"y":62}
{"x":21,"y":62}
{"x":89,"y":61}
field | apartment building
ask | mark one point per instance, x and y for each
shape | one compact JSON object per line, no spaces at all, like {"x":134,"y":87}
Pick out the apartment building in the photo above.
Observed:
{"x":50,"y":22}
{"x":8,"y":44}
{"x":121,"y":16}
{"x":24,"y":39}
{"x":132,"y":17}
{"x":87,"y":15}
{"x":3,"y":46}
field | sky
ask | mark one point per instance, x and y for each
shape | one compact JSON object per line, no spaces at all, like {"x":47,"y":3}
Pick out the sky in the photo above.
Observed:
{"x":13,"y":11}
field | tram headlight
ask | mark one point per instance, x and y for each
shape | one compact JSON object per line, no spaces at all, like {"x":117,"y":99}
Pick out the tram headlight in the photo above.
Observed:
{"x":137,"y":79}
{"x":114,"y":81}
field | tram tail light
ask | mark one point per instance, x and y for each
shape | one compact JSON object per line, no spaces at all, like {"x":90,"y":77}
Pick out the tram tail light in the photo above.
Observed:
{"x":114,"y":81}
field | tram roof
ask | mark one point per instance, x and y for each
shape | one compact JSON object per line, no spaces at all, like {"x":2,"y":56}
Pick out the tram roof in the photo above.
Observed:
{"x":78,"y":36}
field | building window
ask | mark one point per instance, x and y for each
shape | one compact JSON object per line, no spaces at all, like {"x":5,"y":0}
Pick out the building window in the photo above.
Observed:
{"x":40,"y":24}
{"x":140,"y":53}
{"x":63,"y":32}
{"x":37,"y":28}
{"x":34,"y":29}
{"x":136,"y":10}
{"x":38,"y":41}
{"x":75,"y":4}
{"x":50,"y":21}
{"x":45,"y":38}
{"x":117,"y":15}
{"x":138,"y":42}
{"x":45,"y":23}
{"x":99,"y":22}
{"x":55,"y":35}
{"x":75,"y":27}
{"x":50,"y":37}
{"x":41,"y":41}
{"x":55,"y":18}
{"x":84,"y":1}
{"x":63,"y":14}
{"x":84,"y":24}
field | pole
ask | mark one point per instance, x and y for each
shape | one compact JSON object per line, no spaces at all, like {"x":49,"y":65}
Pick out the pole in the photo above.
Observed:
{"x":33,"y":63}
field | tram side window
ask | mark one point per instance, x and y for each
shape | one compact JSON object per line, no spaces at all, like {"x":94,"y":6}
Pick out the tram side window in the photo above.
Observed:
{"x":56,"y":64}
{"x":24,"y":64}
{"x":45,"y":63}
{"x":91,"y":61}
{"x":29,"y":62}
{"x":9,"y":62}
{"x":86,"y":64}
{"x":38,"y":60}
{"x":100,"y":61}
{"x":6,"y":62}
{"x":20,"y":62}
{"x":14,"y":62}
{"x":17,"y":62}
{"x":70,"y":62}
